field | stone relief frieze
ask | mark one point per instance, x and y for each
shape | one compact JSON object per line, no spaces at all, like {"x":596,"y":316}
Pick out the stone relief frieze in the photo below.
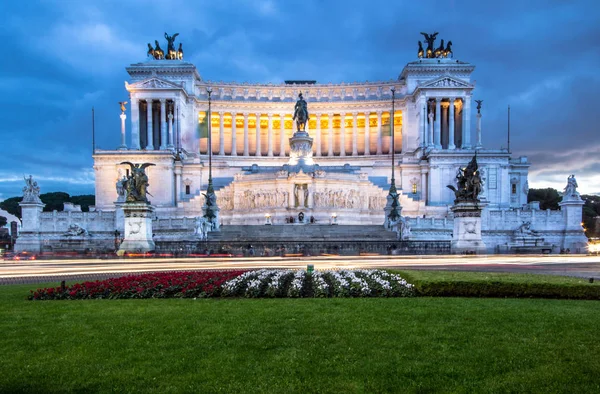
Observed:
{"x":252,"y":199}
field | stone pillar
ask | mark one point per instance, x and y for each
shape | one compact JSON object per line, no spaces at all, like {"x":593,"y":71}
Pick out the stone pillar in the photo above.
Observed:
{"x":318,"y":136}
{"x":423,"y":124}
{"x":138,"y":228}
{"x":149,"y":145}
{"x":257,"y":152}
{"x":178,"y":172}
{"x":438,"y":119}
{"x":282,"y":136}
{"x":222,"y":133}
{"x":444,"y":127}
{"x":270,"y":136}
{"x":451,"y":125}
{"x":246,"y":151}
{"x":170,"y":132}
{"x":466,"y":126}
{"x":354,"y":134}
{"x":135,"y":124}
{"x":379,"y":143}
{"x":123,"y":145}
{"x":233,"y":135}
{"x":430,"y":139}
{"x":466,"y":236}
{"x":342,"y":134}
{"x":163,"y":124}
{"x":424,"y":190}
{"x":367,"y":134}
{"x":478,"y":145}
{"x":29,"y":236}
{"x":330,"y":145}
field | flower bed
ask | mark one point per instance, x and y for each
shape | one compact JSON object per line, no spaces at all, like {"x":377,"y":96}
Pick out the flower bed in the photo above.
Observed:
{"x":155,"y":285}
{"x":344,"y":283}
{"x":250,"y":284}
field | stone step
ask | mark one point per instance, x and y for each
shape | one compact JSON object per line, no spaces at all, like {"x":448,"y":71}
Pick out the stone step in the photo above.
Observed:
{"x":302,"y":232}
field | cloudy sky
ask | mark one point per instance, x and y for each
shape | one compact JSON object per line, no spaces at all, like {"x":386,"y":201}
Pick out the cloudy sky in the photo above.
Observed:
{"x":60,"y":58}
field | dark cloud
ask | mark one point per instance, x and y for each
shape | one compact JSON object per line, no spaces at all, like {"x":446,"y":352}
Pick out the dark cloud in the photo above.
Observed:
{"x":62,"y":58}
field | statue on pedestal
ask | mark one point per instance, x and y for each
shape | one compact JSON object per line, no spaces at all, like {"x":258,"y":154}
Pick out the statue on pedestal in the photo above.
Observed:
{"x":570,"y":192}
{"x":137,"y":184}
{"x":430,"y":39}
{"x":479,"y":106}
{"x":469,"y":183}
{"x":301,"y":113}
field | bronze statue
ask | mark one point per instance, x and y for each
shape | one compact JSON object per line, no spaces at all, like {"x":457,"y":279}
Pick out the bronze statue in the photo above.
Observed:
{"x":448,"y":50}
{"x":421,"y":52}
{"x":430,"y":39}
{"x":158,"y":52}
{"x":122,"y":104}
{"x":469,"y":183}
{"x":439,"y":52}
{"x":137,"y":183}
{"x":301,"y":113}
{"x":171,"y":52}
{"x":479,"y":105}
{"x":180,"y":52}
{"x":150,"y":51}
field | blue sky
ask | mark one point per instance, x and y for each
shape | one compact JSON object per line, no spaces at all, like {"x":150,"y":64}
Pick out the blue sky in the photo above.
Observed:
{"x":63,"y":57}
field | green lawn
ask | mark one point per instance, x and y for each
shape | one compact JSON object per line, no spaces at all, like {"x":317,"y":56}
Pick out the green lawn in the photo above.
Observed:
{"x":298,"y":345}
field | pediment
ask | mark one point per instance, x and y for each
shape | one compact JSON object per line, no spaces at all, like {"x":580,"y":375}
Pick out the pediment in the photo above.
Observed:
{"x":446,"y":82}
{"x":153,"y":83}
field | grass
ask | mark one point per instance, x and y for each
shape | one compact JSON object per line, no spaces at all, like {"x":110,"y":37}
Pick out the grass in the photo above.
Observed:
{"x":466,"y":276}
{"x":298,"y":345}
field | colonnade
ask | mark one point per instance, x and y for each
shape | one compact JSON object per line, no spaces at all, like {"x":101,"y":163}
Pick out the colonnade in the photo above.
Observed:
{"x":445,"y":122}
{"x":334,"y":134}
{"x":152,"y":125}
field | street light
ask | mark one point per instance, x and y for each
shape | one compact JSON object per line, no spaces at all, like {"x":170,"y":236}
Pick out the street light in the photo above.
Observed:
{"x":393,"y":193}
{"x":211,"y":198}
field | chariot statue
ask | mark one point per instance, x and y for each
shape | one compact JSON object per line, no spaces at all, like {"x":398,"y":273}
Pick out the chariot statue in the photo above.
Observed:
{"x":301,"y":113}
{"x":171,"y":51}
{"x":430,"y":39}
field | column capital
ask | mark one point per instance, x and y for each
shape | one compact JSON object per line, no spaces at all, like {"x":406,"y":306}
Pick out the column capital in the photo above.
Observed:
{"x":318,"y":117}
{"x":330,"y":114}
{"x":379,"y":112}
{"x":354,"y":114}
{"x":162,"y":100}
{"x":245,"y":115}
{"x":269,"y":115}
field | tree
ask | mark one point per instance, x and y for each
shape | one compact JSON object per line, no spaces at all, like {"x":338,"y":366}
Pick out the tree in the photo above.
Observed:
{"x":85,"y":200}
{"x":11,"y":205}
{"x":548,"y":198}
{"x":3,"y":221}
{"x":54,"y":201}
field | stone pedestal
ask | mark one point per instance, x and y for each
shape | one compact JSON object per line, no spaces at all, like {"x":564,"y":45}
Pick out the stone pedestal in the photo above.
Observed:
{"x":29,"y":237}
{"x":466,"y":237}
{"x":138,"y":228}
{"x":574,"y":238}
{"x":301,"y":149}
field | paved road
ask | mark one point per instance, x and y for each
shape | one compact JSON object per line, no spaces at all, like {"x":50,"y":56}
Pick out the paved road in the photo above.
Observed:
{"x":79,"y":269}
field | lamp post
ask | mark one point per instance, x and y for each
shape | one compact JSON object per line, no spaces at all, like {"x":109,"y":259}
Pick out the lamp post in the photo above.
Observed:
{"x":393,"y":193}
{"x":211,"y":198}
{"x":117,"y":235}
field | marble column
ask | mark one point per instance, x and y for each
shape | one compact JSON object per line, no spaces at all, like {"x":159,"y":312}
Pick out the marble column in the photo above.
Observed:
{"x":444,"y":127}
{"x":270,"y":135}
{"x":354,"y":134}
{"x":257,"y":152}
{"x":221,"y":133}
{"x":282,"y":135}
{"x":170,"y":131}
{"x":318,"y":136}
{"x":342,"y":134}
{"x":330,"y":125}
{"x":246,"y":150}
{"x":149,"y":145}
{"x":135,"y":124}
{"x":423,"y":124}
{"x":430,"y":139}
{"x":466,"y":126}
{"x":233,"y":135}
{"x":367,"y":134}
{"x":424,"y":189}
{"x":123,"y":144}
{"x":163,"y":124}
{"x":438,"y":124}
{"x":379,"y":139}
{"x":451,"y":125}
{"x":478,"y":144}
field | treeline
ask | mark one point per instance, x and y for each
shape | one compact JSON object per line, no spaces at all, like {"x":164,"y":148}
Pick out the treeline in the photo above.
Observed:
{"x":54,"y":201}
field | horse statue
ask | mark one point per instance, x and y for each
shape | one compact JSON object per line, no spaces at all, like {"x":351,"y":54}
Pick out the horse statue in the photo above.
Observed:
{"x":180,"y":52}
{"x":421,"y":52}
{"x":430,"y":39}
{"x":171,"y":52}
{"x":150,"y":50}
{"x":448,"y":50}
{"x":301,"y":113}
{"x":158,"y":53}
{"x":439,"y":52}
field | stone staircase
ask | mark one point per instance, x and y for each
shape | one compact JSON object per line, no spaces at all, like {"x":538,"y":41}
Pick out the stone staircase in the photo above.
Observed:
{"x":302,"y":232}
